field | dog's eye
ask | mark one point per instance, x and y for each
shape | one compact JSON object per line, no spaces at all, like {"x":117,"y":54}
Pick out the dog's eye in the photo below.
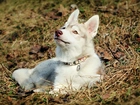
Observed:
{"x":75,"y":32}
{"x":63,"y":27}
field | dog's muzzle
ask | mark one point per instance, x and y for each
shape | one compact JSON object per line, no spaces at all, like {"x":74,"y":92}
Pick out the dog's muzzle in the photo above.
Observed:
{"x":56,"y":38}
{"x":58,"y":33}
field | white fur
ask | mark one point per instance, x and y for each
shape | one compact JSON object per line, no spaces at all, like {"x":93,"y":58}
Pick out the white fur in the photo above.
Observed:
{"x":63,"y":77}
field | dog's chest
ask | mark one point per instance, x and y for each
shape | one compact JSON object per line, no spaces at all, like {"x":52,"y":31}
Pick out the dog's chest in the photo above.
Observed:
{"x":66,"y":71}
{"x":69,"y":76}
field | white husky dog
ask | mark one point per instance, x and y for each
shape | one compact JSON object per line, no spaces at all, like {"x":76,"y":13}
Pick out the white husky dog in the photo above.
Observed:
{"x":76,"y":64}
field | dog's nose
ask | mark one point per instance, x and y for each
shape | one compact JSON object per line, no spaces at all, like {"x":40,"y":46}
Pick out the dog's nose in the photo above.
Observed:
{"x":58,"y":33}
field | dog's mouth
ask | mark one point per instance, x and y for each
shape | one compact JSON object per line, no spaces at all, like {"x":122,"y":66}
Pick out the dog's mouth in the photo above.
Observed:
{"x":62,"y":40}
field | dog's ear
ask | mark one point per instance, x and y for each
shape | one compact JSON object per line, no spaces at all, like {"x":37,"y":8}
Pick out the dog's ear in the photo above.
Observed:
{"x":92,"y":25}
{"x":73,"y":17}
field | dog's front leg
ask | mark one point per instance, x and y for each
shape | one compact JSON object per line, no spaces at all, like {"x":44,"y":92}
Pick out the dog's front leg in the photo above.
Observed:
{"x":59,"y":89}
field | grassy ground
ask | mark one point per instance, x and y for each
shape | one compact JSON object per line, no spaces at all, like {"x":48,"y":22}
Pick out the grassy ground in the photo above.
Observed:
{"x":26,"y":38}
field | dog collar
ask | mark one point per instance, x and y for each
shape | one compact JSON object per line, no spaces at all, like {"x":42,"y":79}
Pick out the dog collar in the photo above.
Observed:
{"x":77,"y":62}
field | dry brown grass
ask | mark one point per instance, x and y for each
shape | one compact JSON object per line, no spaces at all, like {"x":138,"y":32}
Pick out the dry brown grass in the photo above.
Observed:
{"x":26,"y":38}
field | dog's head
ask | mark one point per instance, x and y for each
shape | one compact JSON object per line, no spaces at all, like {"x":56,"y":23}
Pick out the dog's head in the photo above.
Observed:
{"x":75,"y":36}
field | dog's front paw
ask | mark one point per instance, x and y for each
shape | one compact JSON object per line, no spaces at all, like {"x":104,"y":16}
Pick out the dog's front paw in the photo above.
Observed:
{"x":52,"y":92}
{"x":57,"y":91}
{"x":40,"y":90}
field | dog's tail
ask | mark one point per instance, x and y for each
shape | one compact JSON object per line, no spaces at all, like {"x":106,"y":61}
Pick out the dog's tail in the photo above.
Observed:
{"x":22,"y":77}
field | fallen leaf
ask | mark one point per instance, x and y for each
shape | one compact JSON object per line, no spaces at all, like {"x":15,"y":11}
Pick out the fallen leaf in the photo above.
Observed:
{"x":106,"y":96}
{"x":56,"y":13}
{"x":40,"y":55}
{"x":12,"y":55}
{"x":138,"y":39}
{"x":35,"y":49}
{"x":74,"y":6}
{"x":9,"y":56}
{"x":21,"y":64}
{"x":105,"y":55}
{"x":63,"y":10}
{"x":44,"y":48}
{"x":10,"y":99}
{"x":118,"y":55}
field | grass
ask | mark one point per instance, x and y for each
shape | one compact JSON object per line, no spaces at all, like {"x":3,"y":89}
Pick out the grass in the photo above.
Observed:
{"x":26,"y":38}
